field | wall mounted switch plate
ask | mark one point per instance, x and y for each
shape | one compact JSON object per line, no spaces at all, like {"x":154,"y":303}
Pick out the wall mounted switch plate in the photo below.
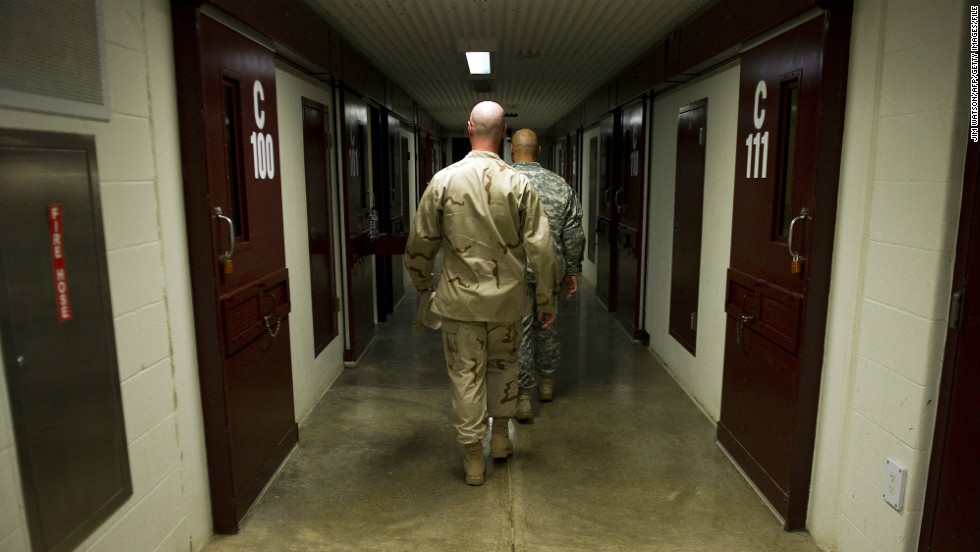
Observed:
{"x":893,"y":488}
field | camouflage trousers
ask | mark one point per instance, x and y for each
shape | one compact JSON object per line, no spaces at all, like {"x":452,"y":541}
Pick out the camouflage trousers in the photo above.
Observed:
{"x":540,"y":349}
{"x":481,"y":359}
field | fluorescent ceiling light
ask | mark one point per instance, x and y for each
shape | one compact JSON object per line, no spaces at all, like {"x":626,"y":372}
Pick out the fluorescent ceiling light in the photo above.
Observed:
{"x":479,"y":62}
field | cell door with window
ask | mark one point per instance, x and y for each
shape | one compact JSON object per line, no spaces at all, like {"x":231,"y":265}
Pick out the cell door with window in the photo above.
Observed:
{"x":233,"y":202}
{"x":316,"y":157}
{"x":357,"y":201}
{"x":790,"y":121}
{"x":628,"y":205}
{"x":574,"y":162}
{"x":593,"y":192}
{"x":605,"y":228}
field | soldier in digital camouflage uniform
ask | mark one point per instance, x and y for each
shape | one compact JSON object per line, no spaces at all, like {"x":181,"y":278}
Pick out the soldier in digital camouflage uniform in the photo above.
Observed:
{"x":490,"y":223}
{"x":539,"y":345}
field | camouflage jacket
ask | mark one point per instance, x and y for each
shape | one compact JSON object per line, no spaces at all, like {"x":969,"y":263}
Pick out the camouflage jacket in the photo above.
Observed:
{"x":564,"y":216}
{"x":492,"y":224}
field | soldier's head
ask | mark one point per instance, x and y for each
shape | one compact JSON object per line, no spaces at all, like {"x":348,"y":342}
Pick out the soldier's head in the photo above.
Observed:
{"x":524,"y":146}
{"x":486,"y":126}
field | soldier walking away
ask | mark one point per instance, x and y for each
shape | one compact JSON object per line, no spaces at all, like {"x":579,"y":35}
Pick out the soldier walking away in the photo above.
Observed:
{"x":540,"y":355}
{"x":490,"y":223}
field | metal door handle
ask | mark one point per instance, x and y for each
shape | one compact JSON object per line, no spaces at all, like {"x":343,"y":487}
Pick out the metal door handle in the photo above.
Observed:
{"x":789,"y":239}
{"x":231,"y":235}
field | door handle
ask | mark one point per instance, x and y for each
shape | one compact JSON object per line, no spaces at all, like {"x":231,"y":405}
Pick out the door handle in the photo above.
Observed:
{"x":789,"y":239}
{"x":956,"y":310}
{"x":226,"y":256}
{"x":742,"y":322}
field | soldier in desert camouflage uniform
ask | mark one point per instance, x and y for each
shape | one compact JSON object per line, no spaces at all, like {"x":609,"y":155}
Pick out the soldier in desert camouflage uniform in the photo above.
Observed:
{"x":539,"y":345}
{"x":491,"y":224}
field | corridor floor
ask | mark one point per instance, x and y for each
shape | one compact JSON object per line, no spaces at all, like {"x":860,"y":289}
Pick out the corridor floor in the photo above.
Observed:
{"x":621,"y":460}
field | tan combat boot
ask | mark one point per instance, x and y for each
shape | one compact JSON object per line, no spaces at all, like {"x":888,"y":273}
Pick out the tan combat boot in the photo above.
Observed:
{"x":474,"y":465}
{"x":500,"y":445}
{"x":546,"y":387}
{"x":524,"y":412}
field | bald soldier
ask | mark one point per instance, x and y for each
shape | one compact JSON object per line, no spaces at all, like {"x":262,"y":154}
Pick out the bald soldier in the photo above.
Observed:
{"x":489,"y":221}
{"x":539,"y":344}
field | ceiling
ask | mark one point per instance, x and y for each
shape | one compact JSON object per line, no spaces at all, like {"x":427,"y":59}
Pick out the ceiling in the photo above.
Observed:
{"x":548,"y":55}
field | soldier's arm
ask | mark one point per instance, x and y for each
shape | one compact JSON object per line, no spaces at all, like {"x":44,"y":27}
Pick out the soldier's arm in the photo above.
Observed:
{"x":573,"y":236}
{"x":424,"y":239}
{"x":540,"y":249}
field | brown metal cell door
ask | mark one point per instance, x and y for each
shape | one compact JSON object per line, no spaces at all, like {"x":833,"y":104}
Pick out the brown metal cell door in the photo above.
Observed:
{"x":593,"y":192}
{"x":316,"y":157}
{"x":951,"y":509}
{"x":397,"y":221}
{"x":574,"y":163}
{"x":232,"y":194}
{"x":786,"y":178}
{"x":382,"y":186}
{"x":424,"y":165}
{"x":605,"y":225}
{"x":628,"y":201}
{"x":402,"y":222}
{"x":685,"y":267}
{"x":358,"y":266}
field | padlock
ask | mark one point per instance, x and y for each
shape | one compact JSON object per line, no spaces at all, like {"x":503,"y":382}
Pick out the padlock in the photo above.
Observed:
{"x":795,"y":265}
{"x":228,"y":266}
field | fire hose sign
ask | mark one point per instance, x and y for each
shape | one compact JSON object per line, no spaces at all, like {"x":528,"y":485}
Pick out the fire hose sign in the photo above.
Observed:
{"x":58,"y":262}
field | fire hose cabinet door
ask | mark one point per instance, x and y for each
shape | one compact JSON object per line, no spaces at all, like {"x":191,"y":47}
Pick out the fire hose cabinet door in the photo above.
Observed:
{"x":57,"y":338}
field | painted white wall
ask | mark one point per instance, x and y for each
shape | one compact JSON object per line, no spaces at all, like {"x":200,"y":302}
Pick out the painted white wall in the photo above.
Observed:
{"x":902,"y":171}
{"x":700,"y":375}
{"x":312,"y":374}
{"x":848,"y":271}
{"x":589,"y":270}
{"x":141,"y":193}
{"x":183,"y":344}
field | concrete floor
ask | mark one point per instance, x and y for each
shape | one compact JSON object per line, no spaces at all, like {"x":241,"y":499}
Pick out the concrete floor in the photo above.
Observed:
{"x":622,"y":460}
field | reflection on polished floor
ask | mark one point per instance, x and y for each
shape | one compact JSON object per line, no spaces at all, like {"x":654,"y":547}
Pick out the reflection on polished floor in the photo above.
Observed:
{"x":622,"y":460}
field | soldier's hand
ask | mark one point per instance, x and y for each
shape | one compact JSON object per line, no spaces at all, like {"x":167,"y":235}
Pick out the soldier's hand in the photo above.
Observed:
{"x":546,"y":318}
{"x":570,"y":285}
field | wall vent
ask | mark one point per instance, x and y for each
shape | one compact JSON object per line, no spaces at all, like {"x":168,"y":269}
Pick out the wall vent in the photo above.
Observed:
{"x":52,"y":57}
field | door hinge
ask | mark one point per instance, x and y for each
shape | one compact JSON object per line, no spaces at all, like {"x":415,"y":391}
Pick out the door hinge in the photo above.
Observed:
{"x":956,"y":310}
{"x":700,"y":136}
{"x":694,"y":320}
{"x":336,"y":304}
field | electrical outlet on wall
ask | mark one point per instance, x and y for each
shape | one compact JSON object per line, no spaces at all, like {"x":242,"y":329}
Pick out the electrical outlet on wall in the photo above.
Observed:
{"x":893,"y":488}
